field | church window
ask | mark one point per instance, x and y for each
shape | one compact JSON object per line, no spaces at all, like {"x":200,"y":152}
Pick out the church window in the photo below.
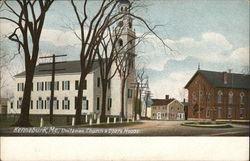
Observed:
{"x":120,"y":42}
{"x":120,"y":24}
{"x":230,"y":97}
{"x":220,"y":97}
{"x":130,"y":24}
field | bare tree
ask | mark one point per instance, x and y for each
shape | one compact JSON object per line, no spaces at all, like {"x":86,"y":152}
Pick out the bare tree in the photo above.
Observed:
{"x":106,"y":57}
{"x":92,"y":31}
{"x":29,"y":21}
{"x":141,"y":78}
{"x":90,"y":41}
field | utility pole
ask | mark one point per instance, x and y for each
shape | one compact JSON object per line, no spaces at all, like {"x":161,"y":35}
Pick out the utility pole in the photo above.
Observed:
{"x":136,"y":98}
{"x":141,"y":90}
{"x":0,"y":81}
{"x":52,"y":87}
{"x":148,"y":93}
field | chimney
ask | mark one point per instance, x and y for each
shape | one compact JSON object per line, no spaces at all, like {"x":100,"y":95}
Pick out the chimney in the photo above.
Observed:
{"x":184,"y":100}
{"x":167,"y":97}
{"x":225,"y":77}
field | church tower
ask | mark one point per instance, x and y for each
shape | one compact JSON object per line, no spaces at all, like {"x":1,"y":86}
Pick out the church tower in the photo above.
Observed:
{"x":125,"y":44}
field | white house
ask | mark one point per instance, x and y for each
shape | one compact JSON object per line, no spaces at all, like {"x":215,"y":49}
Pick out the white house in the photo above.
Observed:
{"x":167,"y":109}
{"x":66,"y":85}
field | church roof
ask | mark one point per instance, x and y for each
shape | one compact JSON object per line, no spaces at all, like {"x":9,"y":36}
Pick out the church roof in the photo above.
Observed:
{"x":68,"y":67}
{"x":234,"y":80}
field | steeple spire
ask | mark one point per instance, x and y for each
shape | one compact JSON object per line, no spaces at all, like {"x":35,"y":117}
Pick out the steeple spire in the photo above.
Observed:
{"x":199,"y":66}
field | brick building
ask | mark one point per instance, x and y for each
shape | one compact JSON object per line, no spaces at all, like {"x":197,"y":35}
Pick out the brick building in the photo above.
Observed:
{"x":218,"y":95}
{"x":167,"y":109}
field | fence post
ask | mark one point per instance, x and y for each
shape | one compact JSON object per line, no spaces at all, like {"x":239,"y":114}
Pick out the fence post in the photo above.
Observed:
{"x":133,"y":119}
{"x":86,"y":118}
{"x":90,"y":121}
{"x":127,"y":120}
{"x":41,"y":122}
{"x":98,"y":120}
{"x":73,"y":121}
{"x":121,"y":120}
{"x":94,"y":116}
{"x":108,"y":120}
{"x":114,"y":120}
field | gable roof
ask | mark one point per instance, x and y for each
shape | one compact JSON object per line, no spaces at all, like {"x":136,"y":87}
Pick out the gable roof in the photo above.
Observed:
{"x":160,"y":102}
{"x":234,"y":80}
{"x":69,"y":67}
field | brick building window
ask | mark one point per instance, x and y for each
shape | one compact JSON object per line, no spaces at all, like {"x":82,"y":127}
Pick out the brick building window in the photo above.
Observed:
{"x":229,"y":113}
{"x":219,"y":112}
{"x":230,"y":97}
{"x":208,"y":112}
{"x":241,"y":98}
{"x":201,"y":97}
{"x":220,"y":97}
{"x":241,"y":113}
{"x":194,"y":97}
{"x":208,"y":97}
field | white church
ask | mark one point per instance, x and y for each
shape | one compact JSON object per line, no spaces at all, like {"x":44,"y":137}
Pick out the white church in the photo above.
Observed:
{"x":66,"y":85}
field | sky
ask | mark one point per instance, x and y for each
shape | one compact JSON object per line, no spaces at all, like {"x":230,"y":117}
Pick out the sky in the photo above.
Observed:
{"x":212,"y":33}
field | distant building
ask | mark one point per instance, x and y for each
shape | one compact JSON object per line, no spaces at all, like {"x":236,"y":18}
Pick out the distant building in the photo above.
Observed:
{"x":3,"y":105}
{"x":218,"y":95}
{"x":167,"y":109}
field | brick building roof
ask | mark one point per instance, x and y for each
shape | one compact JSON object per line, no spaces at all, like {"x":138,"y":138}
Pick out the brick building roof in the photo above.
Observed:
{"x":161,"y":102}
{"x":69,"y":67}
{"x":234,"y":80}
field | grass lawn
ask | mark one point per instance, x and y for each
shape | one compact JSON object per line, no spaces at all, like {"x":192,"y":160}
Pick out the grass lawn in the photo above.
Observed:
{"x":62,"y":122}
{"x":208,"y":124}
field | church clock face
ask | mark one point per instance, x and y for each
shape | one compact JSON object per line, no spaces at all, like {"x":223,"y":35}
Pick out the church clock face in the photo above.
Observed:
{"x":120,"y":24}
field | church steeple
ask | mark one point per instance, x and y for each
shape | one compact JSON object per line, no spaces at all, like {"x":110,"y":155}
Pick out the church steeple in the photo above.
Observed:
{"x":124,"y":10}
{"x":124,"y":6}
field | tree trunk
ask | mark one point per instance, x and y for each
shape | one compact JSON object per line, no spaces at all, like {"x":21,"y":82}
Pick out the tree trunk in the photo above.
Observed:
{"x":104,"y":98}
{"x":79,"y":100}
{"x":140,"y":103}
{"x":122,"y":96}
{"x":23,"y":120}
